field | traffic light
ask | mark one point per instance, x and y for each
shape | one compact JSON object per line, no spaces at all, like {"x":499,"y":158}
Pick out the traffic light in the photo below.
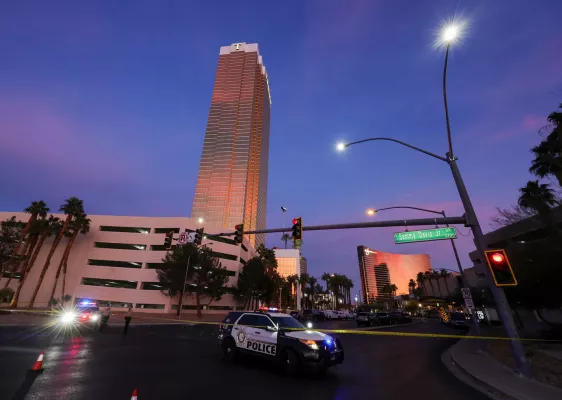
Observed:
{"x":239,"y":235}
{"x":500,"y":267}
{"x":198,"y":236}
{"x":297,"y":228}
{"x":168,"y":240}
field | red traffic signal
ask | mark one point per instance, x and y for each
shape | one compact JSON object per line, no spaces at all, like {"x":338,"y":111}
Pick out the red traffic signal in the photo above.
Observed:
{"x":295,"y":220}
{"x":500,"y":267}
{"x":168,"y":240}
{"x":297,"y":228}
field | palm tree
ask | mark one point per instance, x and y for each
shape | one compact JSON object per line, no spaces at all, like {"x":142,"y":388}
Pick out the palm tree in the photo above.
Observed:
{"x":429,"y":277}
{"x":537,"y":196}
{"x":48,"y":227}
{"x":547,"y":160}
{"x":285,"y":238}
{"x":436,"y":275}
{"x":412,"y":286}
{"x":37,"y":208}
{"x":420,"y":277}
{"x":312,"y":282}
{"x":292,"y":281}
{"x":72,"y":207}
{"x":303,"y":280}
{"x":445,"y":274}
{"x":81,"y":224}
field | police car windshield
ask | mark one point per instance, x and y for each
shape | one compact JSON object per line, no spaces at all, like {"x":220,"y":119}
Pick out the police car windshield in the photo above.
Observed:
{"x":287,"y":322}
{"x":88,"y":309}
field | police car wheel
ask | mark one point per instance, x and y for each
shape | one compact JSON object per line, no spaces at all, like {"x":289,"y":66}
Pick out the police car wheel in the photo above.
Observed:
{"x":229,"y":350}
{"x":290,"y":362}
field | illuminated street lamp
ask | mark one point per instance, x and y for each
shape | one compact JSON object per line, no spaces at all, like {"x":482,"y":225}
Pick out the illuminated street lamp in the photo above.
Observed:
{"x":450,"y":34}
{"x":371,"y":212}
{"x":200,"y":220}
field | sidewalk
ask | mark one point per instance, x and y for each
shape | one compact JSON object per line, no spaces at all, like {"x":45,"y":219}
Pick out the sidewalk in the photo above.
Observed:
{"x":481,"y":371}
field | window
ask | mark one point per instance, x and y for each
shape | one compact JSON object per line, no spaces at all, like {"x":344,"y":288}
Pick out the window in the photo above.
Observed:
{"x":220,"y":239}
{"x":244,"y":247}
{"x":244,"y":262}
{"x":159,"y":247}
{"x":166,"y":230}
{"x":224,"y":256}
{"x":119,"y":264}
{"x":15,"y":275}
{"x":262,"y":321}
{"x":151,"y":286}
{"x":151,"y":306}
{"x":129,"y":229}
{"x":120,"y":246}
{"x":114,"y":283}
{"x":220,"y":308}
{"x":229,"y":272}
{"x":184,"y":307}
{"x":155,"y":265}
{"x":247,"y":320}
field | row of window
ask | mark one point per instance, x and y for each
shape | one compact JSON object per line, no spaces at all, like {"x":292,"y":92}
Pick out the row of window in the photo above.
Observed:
{"x":131,"y":264}
{"x":123,"y":284}
{"x":134,"y":229}
{"x":193,"y":307}
{"x":121,"y":304}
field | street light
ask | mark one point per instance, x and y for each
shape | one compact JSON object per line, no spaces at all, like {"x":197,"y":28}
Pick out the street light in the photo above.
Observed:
{"x":448,"y":37}
{"x":200,"y":220}
{"x":340,"y":146}
{"x":371,"y":212}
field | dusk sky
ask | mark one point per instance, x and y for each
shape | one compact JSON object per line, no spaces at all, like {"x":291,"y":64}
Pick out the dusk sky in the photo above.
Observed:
{"x":108,"y":101}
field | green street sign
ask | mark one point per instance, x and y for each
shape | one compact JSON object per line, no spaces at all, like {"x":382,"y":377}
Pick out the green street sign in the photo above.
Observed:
{"x":426,"y":235}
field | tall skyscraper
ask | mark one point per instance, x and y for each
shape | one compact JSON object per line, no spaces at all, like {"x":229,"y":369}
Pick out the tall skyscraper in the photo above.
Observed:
{"x":232,"y":181}
{"x":378,"y":269}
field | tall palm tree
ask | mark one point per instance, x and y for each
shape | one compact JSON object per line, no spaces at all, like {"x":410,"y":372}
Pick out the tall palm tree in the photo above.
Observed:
{"x":72,"y":207}
{"x":429,"y":277}
{"x":37,"y":208}
{"x":303,"y":280}
{"x":537,"y":196}
{"x":80,"y":224}
{"x":48,"y":227}
{"x":420,"y":277}
{"x":445,"y":274}
{"x":32,"y":239}
{"x":412,"y":286}
{"x":547,"y":161}
{"x":436,"y":276}
{"x":312,"y":282}
{"x":292,"y":280}
{"x":285,"y":238}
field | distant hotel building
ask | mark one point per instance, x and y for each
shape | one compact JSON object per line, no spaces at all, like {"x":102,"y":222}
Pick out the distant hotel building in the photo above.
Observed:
{"x":377,"y":269}
{"x":289,"y":263}
{"x":116,"y":263}
{"x":232,"y":181}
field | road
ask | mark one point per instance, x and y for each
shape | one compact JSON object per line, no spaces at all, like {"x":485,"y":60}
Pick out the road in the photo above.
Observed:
{"x":179,"y":362}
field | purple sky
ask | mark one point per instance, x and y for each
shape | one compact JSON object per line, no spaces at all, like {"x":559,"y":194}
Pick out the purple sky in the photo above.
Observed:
{"x":108,"y":101}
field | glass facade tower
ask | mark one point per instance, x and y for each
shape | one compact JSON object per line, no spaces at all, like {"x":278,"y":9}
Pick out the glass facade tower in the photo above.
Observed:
{"x":232,"y":182}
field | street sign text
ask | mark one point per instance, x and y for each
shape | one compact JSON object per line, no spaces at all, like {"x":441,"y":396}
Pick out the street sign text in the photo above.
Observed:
{"x":425,"y":235}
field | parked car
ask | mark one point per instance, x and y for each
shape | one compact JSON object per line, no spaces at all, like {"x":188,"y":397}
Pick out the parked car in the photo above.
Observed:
{"x":367,"y":319}
{"x":312,"y":315}
{"x":383,"y":318}
{"x":456,"y":320}
{"x":344,"y":314}
{"x":330,"y":314}
{"x":399,"y":317}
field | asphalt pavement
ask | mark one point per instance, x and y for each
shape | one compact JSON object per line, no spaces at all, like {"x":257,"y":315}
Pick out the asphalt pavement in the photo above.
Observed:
{"x":179,"y":362}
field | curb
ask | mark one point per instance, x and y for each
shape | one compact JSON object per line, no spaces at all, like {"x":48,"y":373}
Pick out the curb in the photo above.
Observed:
{"x":461,"y":374}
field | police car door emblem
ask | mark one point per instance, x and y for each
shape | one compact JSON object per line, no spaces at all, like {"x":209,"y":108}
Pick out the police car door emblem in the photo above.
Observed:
{"x":241,"y":338}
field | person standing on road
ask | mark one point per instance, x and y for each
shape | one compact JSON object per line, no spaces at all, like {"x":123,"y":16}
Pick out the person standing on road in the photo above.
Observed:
{"x":105,"y":317}
{"x":128,"y":317}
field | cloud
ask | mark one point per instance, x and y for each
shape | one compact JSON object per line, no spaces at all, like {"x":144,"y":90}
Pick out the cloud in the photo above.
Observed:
{"x":38,"y":138}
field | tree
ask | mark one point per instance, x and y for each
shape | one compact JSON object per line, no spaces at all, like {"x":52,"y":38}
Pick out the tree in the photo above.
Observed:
{"x":511,"y":215}
{"x":72,"y":207}
{"x":10,"y":232}
{"x":267,"y":256}
{"x":412,"y":286}
{"x":253,"y":282}
{"x":37,"y":208}
{"x":548,"y":154}
{"x":285,"y":238}
{"x":436,"y":276}
{"x":428,"y":275}
{"x":420,"y":277}
{"x":303,"y":281}
{"x":538,"y":197}
{"x":48,"y":227}
{"x":445,"y":274}
{"x":80,"y":224}
{"x":312,"y":282}
{"x":292,"y":282}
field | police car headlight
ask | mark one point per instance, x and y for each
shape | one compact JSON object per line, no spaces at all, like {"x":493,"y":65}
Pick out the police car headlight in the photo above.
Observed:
{"x":310,"y":343}
{"x":309,"y":324}
{"x":68,"y":317}
{"x":95,"y":317}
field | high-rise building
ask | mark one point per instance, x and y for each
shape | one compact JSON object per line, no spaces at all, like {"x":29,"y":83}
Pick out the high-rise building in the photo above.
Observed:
{"x":304,"y":265}
{"x":378,"y":269}
{"x":232,"y":181}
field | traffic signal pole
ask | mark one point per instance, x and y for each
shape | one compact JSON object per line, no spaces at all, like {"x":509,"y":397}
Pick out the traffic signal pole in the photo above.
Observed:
{"x":502,"y":306}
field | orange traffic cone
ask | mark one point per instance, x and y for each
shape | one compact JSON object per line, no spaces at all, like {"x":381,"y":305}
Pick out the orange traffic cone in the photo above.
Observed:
{"x":38,"y":366}
{"x":134,"y":396}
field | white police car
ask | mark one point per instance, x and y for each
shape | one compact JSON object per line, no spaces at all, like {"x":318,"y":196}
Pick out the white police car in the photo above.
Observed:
{"x":278,"y":337}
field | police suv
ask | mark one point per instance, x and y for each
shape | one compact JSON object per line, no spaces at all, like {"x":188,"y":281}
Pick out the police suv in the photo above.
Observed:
{"x":278,"y":337}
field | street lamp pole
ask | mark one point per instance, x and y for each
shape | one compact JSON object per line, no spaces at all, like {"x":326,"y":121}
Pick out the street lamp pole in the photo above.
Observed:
{"x":461,"y":271}
{"x":183,"y":289}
